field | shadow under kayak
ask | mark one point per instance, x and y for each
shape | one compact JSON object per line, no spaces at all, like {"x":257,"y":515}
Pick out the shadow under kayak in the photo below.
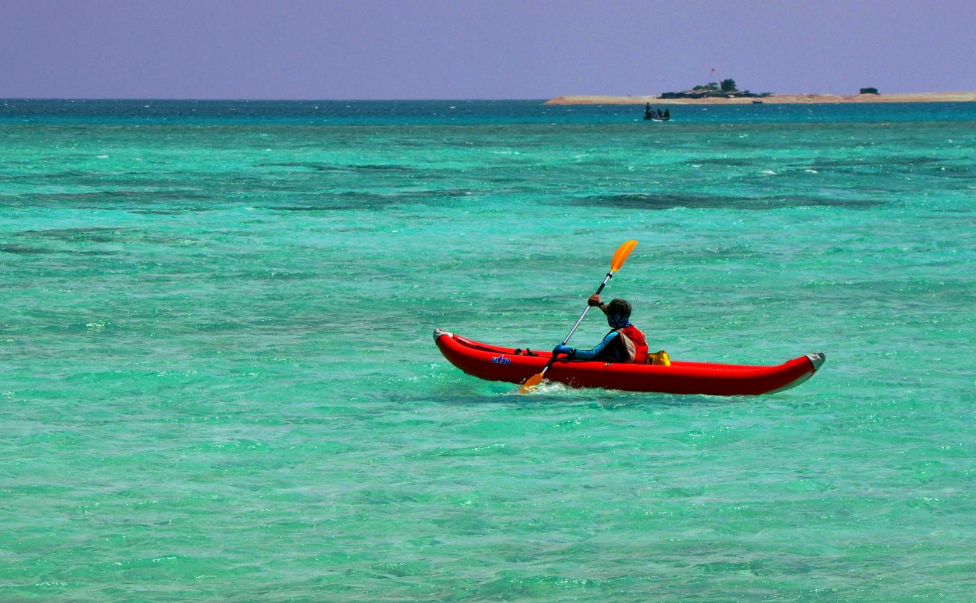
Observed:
{"x":495,"y":363}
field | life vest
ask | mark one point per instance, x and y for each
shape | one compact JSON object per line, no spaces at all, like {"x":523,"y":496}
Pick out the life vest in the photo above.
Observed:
{"x":636,"y":339}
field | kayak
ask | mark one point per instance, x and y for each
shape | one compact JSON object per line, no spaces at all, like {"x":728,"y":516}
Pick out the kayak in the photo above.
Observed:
{"x":495,"y":363}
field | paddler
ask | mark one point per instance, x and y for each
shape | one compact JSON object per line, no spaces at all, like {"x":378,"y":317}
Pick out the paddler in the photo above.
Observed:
{"x":624,"y":343}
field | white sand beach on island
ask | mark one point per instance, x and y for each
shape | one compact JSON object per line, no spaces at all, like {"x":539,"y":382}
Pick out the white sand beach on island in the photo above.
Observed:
{"x":776,"y":99}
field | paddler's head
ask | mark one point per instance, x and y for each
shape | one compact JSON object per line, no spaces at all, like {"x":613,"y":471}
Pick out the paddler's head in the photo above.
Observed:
{"x":618,"y":313}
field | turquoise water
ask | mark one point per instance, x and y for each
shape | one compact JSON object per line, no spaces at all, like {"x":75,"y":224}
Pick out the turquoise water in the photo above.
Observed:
{"x":217,"y":377}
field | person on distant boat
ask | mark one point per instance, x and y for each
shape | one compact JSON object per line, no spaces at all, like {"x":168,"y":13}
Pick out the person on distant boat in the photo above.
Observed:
{"x":659,"y":114}
{"x":624,"y":343}
{"x":667,"y":114}
{"x":647,"y":111}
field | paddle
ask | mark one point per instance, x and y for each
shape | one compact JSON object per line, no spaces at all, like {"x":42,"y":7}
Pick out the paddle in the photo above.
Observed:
{"x":618,"y":260}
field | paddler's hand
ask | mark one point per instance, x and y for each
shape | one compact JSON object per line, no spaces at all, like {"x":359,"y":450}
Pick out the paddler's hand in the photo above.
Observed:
{"x":595,"y":301}
{"x":561,"y":349}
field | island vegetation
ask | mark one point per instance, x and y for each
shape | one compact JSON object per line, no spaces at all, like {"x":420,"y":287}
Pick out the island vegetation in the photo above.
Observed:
{"x":724,"y":89}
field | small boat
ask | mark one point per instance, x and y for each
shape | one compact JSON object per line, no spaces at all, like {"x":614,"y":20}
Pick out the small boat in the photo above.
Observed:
{"x":494,"y":363}
{"x":656,"y":116}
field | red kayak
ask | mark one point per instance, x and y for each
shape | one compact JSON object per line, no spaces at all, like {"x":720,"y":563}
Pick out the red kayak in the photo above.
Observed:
{"x":496,"y":363}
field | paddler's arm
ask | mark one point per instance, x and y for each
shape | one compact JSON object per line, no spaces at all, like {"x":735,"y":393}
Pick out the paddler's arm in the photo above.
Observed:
{"x":591,"y":354}
{"x":597,"y":302}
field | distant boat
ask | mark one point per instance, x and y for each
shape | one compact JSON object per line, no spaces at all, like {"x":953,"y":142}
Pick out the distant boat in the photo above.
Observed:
{"x":651,"y":115}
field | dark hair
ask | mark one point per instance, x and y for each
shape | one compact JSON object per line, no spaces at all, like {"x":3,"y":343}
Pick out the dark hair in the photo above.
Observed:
{"x":619,"y":307}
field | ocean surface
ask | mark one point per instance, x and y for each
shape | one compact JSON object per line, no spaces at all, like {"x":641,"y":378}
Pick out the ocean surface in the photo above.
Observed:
{"x":218,"y":381}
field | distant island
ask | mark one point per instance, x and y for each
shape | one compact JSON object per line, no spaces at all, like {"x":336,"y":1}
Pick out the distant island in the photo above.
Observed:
{"x":725,"y":89}
{"x":727,"y":93}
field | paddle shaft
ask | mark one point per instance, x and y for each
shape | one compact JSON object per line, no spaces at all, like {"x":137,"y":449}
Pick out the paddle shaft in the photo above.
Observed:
{"x":583,"y":315}
{"x":576,"y":326}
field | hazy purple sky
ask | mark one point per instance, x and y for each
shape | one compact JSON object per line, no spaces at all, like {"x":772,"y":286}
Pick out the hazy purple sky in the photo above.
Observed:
{"x":477,"y":49}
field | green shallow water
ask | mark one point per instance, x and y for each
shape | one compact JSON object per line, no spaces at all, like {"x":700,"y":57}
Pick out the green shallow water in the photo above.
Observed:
{"x":217,"y":377}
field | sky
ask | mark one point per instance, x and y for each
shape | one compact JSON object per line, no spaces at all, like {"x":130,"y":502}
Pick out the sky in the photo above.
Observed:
{"x":478,"y":49}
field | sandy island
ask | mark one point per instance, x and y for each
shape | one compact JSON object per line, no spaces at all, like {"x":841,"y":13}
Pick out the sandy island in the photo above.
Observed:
{"x":776,"y":99}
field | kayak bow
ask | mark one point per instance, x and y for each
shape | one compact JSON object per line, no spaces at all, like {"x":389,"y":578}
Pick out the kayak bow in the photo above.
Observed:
{"x":495,"y":363}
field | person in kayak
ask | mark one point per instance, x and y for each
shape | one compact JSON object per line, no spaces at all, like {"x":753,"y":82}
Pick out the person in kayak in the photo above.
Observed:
{"x":625,"y":343}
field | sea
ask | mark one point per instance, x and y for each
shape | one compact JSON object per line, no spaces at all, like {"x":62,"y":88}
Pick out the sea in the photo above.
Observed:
{"x":218,"y":380}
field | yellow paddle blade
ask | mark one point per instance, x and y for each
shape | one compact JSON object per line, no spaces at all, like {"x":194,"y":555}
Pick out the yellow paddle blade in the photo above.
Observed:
{"x":531,"y":383}
{"x":621,"y":255}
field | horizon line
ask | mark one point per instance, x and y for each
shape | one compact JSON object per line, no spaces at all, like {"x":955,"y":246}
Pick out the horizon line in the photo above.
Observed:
{"x":241,"y":99}
{"x":415,"y":99}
